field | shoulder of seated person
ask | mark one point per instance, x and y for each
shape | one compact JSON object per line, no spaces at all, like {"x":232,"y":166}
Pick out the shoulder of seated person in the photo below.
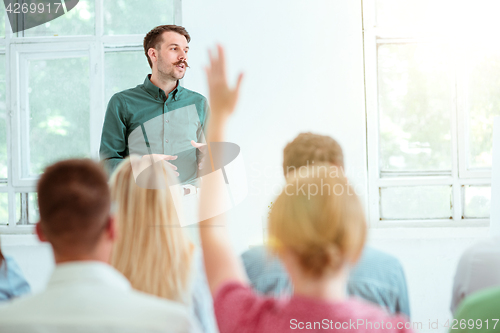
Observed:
{"x":159,"y":302}
{"x":259,"y":250}
{"x":9,"y":260}
{"x":381,"y":256}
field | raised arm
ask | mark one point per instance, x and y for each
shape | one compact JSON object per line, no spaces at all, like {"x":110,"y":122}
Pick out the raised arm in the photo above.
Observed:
{"x":221,"y":263}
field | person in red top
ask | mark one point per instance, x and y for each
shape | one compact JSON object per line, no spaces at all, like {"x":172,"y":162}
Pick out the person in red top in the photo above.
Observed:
{"x":317,"y":228}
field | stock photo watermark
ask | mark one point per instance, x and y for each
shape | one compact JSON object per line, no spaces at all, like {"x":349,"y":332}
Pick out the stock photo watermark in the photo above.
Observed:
{"x":28,"y":14}
{"x":366,"y":324}
{"x":263,"y":180}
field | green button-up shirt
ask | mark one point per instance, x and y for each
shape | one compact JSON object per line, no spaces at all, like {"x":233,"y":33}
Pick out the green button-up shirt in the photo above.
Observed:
{"x":143,"y":120}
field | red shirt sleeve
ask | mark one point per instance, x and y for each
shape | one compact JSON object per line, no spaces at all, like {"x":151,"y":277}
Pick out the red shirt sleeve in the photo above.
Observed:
{"x":239,"y":309}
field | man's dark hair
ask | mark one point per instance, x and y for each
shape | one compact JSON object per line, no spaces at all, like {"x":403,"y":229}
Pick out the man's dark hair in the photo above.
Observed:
{"x":74,"y":202}
{"x":308,"y":148}
{"x":154,"y":38}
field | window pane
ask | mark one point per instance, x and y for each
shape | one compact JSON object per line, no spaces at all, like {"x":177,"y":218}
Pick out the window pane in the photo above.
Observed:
{"x":33,"y":213}
{"x":416,"y":202}
{"x":59,"y":109}
{"x":124,"y":70}
{"x":483,"y":104}
{"x":78,"y":21}
{"x":415,"y":98}
{"x":30,"y":207}
{"x":477,"y":201}
{"x":4,"y":208}
{"x":3,"y":119}
{"x":124,"y":17}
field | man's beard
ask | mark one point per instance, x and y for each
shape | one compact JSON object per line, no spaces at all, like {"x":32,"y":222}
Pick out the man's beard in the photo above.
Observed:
{"x":170,"y":74}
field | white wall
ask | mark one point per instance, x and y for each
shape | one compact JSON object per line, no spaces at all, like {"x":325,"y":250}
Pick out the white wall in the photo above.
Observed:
{"x":34,"y":258}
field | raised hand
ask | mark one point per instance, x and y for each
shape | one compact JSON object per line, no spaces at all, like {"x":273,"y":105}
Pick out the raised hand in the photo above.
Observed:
{"x":221,"y":263}
{"x":222,"y":98}
{"x":202,"y":147}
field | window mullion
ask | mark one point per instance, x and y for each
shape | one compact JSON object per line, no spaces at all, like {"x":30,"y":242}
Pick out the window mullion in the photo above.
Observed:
{"x":8,"y":119}
{"x":462,"y":121}
{"x":457,"y":147}
{"x":15,"y":109}
{"x":370,"y":55}
{"x":97,"y":80}
{"x":96,"y":97}
{"x":474,"y":181}
{"x":24,"y":219}
{"x":12,"y":209}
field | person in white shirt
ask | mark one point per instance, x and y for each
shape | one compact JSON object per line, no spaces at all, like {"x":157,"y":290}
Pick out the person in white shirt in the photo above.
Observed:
{"x":85,"y":294}
{"x":478,"y":269}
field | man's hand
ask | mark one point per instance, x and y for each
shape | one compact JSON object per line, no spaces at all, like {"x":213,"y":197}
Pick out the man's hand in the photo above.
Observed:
{"x":222,"y":98}
{"x":148,"y":160}
{"x":202,"y":147}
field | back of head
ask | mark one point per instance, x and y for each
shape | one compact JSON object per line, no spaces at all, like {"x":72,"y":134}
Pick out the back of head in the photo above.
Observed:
{"x":74,"y":204}
{"x":319,"y":218}
{"x":152,"y":250}
{"x":309,"y":149}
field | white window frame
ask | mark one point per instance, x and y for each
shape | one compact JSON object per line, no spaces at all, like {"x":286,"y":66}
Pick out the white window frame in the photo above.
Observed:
{"x":18,"y":50}
{"x":459,"y":176}
{"x":21,"y":55}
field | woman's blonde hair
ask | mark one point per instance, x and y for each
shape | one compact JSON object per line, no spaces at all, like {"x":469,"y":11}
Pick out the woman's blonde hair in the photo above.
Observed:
{"x":152,"y":250}
{"x":320,"y":219}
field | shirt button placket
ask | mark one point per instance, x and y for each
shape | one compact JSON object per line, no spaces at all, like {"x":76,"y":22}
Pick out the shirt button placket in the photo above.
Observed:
{"x":165,"y":110}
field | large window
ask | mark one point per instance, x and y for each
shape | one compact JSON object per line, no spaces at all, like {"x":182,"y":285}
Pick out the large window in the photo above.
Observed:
{"x":55,"y":82}
{"x":432,"y":73}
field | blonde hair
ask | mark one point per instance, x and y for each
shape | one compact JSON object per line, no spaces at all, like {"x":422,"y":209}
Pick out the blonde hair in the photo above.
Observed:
{"x":152,"y":250}
{"x":320,"y":219}
{"x":308,"y":148}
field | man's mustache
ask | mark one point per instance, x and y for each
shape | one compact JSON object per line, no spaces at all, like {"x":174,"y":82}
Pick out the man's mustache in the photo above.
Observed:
{"x":181,"y":62}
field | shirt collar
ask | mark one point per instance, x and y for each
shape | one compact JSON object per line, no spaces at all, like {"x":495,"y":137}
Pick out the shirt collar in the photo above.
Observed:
{"x":158,"y":93}
{"x":95,"y":272}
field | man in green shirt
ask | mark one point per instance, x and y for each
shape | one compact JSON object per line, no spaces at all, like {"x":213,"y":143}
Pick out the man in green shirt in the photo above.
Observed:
{"x":158,"y":116}
{"x":480,"y":312}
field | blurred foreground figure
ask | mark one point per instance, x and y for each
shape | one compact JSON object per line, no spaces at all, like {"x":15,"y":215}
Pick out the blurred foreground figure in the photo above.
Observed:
{"x":378,"y":277}
{"x":153,"y":252}
{"x":316,"y":236}
{"x":85,"y":294}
